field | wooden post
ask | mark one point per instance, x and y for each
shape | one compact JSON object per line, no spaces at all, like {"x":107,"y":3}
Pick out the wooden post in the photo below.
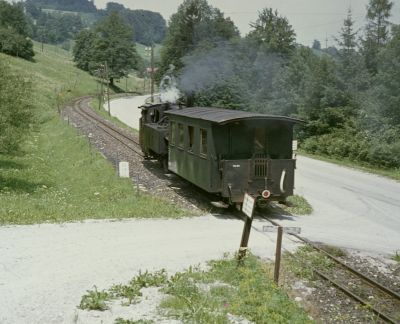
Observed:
{"x":108,"y":90}
{"x":152,"y":73}
{"x":278,"y":254}
{"x":245,"y":238}
{"x":247,"y":209}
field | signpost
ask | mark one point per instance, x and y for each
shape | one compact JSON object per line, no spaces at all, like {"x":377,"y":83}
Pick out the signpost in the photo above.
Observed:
{"x":247,"y":209}
{"x":278,"y":251}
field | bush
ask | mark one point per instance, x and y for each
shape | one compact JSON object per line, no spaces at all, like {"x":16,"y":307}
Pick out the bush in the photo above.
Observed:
{"x":378,"y":149}
{"x":15,"y":44}
{"x":16,"y":108}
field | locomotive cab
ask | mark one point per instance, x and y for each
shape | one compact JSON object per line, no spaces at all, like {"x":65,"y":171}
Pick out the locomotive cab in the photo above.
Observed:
{"x":153,"y":131}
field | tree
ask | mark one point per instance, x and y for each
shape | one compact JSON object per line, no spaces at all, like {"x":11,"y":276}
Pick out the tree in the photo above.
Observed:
{"x":273,"y":32}
{"x":14,"y":31}
{"x":111,"y":43}
{"x":290,"y":84}
{"x":351,"y":67}
{"x":387,"y":80}
{"x":16,"y":108}
{"x":377,"y":32}
{"x":316,"y":45}
{"x":195,"y":25}
{"x":12,"y":17}
{"x":83,"y":49}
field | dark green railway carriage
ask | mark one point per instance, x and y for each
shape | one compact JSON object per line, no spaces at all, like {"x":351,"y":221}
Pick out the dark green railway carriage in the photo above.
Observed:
{"x":233,"y":152}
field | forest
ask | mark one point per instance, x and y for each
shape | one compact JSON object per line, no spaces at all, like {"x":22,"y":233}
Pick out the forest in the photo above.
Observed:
{"x":348,"y":96}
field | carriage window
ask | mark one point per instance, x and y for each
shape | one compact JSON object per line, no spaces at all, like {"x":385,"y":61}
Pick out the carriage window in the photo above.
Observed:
{"x":203,"y":141}
{"x":191,"y":137}
{"x":259,"y":140}
{"x":181,"y":135}
{"x":173,"y":133}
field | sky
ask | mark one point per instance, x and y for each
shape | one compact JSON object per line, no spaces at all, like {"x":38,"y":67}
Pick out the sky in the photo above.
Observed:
{"x":311,"y":19}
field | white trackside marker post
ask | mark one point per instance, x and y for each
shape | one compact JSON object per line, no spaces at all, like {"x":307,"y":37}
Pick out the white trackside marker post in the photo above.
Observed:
{"x":124,"y":169}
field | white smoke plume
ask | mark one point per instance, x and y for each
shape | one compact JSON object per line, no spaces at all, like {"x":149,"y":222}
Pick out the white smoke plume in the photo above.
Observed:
{"x":169,"y":91}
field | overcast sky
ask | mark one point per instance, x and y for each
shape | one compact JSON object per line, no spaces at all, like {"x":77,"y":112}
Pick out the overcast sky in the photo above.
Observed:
{"x":311,"y":19}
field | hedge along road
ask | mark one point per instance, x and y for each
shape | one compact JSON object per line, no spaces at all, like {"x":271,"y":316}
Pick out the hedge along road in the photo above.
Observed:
{"x":352,"y":209}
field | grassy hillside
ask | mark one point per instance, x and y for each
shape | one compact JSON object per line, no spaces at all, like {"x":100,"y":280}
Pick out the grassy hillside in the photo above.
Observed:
{"x":58,"y":176}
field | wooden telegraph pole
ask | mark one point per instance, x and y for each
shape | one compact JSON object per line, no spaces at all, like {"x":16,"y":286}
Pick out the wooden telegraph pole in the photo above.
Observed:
{"x":108,"y":89}
{"x":152,"y":72}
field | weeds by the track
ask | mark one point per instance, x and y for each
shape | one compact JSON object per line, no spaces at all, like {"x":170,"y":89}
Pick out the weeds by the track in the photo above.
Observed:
{"x":224,"y":293}
{"x":298,"y":205}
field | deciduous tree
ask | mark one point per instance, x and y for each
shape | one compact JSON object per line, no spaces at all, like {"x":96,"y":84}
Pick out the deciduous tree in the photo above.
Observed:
{"x":110,"y":42}
{"x":195,"y":25}
{"x":273,"y":32}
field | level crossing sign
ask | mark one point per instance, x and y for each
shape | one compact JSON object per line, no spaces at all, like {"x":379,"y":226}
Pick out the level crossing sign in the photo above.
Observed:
{"x":248,"y":205}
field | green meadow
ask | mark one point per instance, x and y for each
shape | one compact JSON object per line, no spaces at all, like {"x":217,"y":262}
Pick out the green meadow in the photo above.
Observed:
{"x":58,"y":176}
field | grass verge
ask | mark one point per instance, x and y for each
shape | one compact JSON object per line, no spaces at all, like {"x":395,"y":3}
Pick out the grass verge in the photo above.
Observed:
{"x":225,"y":293}
{"x":58,"y":177}
{"x":298,"y":205}
{"x":388,"y":173}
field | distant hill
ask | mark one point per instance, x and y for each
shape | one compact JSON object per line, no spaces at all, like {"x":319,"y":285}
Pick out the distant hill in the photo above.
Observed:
{"x":148,"y":26}
{"x":59,"y":21}
{"x":66,"y":5}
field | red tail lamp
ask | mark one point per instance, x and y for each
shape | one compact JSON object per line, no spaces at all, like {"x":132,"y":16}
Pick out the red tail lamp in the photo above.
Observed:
{"x":266,"y":194}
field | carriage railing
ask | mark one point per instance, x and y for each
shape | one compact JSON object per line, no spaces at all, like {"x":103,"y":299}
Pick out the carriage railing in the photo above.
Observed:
{"x":260,"y":163}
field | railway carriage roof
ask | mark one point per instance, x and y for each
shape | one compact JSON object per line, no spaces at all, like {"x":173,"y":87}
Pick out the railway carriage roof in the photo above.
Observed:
{"x":222,"y":116}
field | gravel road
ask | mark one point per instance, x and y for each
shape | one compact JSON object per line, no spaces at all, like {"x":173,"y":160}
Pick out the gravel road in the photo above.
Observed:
{"x":45,"y":269}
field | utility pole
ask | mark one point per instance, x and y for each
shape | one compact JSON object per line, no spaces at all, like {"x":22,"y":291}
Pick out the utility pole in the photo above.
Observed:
{"x":101,"y":77}
{"x":152,"y":72}
{"x":108,"y":89}
{"x":151,"y":50}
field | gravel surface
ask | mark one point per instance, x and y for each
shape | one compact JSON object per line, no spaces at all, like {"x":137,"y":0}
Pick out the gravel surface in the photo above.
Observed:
{"x":46,"y":269}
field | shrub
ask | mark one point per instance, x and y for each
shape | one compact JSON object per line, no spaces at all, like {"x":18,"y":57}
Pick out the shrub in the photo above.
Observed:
{"x":15,"y":44}
{"x":16,"y":108}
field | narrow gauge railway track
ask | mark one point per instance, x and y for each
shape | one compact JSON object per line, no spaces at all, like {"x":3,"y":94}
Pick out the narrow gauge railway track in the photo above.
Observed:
{"x":81,"y":107}
{"x":385,"y":302}
{"x":150,"y":177}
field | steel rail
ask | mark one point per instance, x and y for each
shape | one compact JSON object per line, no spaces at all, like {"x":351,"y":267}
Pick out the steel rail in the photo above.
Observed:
{"x":352,"y":295}
{"x":370,"y":281}
{"x":344,"y":265}
{"x":106,"y":127}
